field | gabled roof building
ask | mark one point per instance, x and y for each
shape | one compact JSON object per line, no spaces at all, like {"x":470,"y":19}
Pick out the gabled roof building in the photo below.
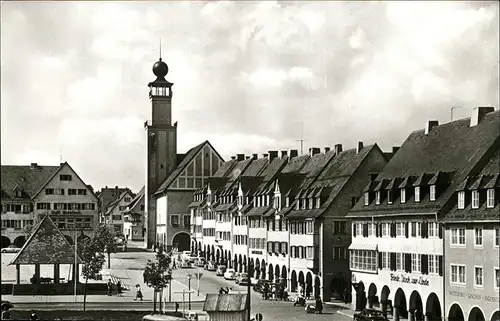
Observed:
{"x":396,"y":255}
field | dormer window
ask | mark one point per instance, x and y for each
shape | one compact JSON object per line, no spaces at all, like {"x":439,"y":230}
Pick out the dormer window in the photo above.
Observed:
{"x":19,"y":193}
{"x":367,"y":198}
{"x":377,"y":197}
{"x":490,"y":198}
{"x":318,"y":202}
{"x":304,"y":203}
{"x":389,"y":197}
{"x":287,"y":201}
{"x":258,"y":201}
{"x":276,"y":204}
{"x":298,"y":204}
{"x":403,"y":196}
{"x":417,"y":194}
{"x":475,"y":199}
{"x":240,"y":200}
{"x":311,"y":203}
{"x":461,"y":200}
{"x":432,"y":193}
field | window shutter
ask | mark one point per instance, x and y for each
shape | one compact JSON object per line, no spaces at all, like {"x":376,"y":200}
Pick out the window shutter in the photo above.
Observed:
{"x":354,"y":229}
{"x":380,"y":260}
{"x":365,"y":229}
{"x":440,"y":230}
{"x":408,"y":262}
{"x":425,"y":229}
{"x":393,"y":261}
{"x":393,"y":229}
{"x":414,"y":229}
{"x":407,"y":231}
{"x":379,"y":227}
{"x":440,"y":267}
{"x":425,"y":264}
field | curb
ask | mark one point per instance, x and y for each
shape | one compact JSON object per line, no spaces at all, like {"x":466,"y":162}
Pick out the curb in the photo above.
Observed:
{"x":345,"y":314}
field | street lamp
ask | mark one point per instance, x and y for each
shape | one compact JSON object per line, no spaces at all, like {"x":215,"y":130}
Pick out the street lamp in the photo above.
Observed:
{"x":189,"y":289}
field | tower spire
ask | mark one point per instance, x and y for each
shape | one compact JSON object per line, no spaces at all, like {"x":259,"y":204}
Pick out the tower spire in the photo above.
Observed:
{"x":160,"y":49}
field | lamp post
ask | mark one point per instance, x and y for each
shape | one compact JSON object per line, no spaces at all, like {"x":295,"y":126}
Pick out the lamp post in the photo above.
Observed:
{"x":189,"y":289}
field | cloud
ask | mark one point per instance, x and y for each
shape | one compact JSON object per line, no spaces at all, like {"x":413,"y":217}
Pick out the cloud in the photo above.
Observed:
{"x":248,"y":75}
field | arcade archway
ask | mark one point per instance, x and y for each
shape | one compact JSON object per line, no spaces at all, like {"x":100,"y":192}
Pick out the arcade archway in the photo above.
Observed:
{"x":284,"y":274}
{"x":359,"y":288}
{"x":293,"y":282}
{"x":277,"y":273}
{"x":5,"y":241}
{"x":456,"y":313}
{"x":270,"y":272}
{"x":384,"y":297}
{"x":301,"y":280}
{"x":433,"y":307}
{"x":495,"y":316}
{"x":317,"y":287}
{"x":416,"y":306}
{"x":263,"y":269}
{"x":19,"y":241}
{"x":181,"y":241}
{"x":257,"y":269}
{"x":309,"y":284}
{"x":400,"y":307}
{"x":476,"y":314}
{"x":372,"y":295}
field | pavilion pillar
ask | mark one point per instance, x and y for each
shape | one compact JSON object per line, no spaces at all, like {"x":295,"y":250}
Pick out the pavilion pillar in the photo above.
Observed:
{"x":18,"y":274}
{"x":37,"y":271}
{"x":56,"y":273}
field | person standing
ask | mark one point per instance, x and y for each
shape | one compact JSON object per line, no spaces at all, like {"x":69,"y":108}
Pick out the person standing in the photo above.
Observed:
{"x":110,"y":285}
{"x":119,"y":288}
{"x":138,"y":294}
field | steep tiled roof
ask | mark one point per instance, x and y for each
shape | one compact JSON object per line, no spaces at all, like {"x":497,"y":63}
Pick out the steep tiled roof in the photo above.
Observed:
{"x":225,"y":302}
{"x":295,"y":164}
{"x":225,"y":168}
{"x":117,"y":201}
{"x":108,"y":195}
{"x":250,"y":184}
{"x":256,"y":167}
{"x":180,"y":167}
{"x":136,"y":200}
{"x":30,"y":180}
{"x":454,"y":150}
{"x":289,"y":183}
{"x":314,"y":166}
{"x":46,"y":245}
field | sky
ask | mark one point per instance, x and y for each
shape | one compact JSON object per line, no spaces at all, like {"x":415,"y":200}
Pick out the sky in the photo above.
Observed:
{"x":249,"y":76}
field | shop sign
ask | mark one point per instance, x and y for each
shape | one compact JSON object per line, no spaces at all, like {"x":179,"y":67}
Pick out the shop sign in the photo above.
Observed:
{"x":473,"y":296}
{"x":409,"y":279}
{"x":258,"y":252}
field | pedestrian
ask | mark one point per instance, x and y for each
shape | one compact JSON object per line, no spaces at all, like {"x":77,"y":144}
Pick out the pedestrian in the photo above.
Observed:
{"x":138,"y":294}
{"x":119,"y":287}
{"x":173,"y":265}
{"x":109,"y":284}
{"x":33,"y":316}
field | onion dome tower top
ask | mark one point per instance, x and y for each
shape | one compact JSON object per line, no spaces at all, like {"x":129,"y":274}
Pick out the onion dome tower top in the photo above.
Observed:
{"x":160,"y":69}
{"x":160,"y":87}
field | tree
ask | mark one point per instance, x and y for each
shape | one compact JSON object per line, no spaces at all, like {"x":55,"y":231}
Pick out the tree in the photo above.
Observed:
{"x":157,"y":275}
{"x":93,"y":259}
{"x":105,"y":241}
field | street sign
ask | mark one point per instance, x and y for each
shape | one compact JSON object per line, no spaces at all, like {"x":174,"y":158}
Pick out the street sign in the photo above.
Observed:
{"x":198,"y":275}
{"x":258,"y":317}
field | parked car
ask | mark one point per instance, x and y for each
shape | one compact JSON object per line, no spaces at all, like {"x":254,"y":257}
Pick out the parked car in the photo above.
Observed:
{"x":369,"y":315}
{"x":11,"y":249}
{"x":242,"y":279}
{"x":186,"y":254}
{"x":221,"y":269}
{"x":192,"y":258}
{"x":211,"y":266}
{"x":185,"y":264}
{"x":229,"y":274}
{"x":200,"y":262}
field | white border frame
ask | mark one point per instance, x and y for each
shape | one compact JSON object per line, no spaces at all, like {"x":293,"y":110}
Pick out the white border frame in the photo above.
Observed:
{"x":458,"y":275}
{"x":477,"y":286}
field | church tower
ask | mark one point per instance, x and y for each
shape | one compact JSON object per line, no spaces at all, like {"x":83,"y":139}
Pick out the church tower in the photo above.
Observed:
{"x":161,"y":144}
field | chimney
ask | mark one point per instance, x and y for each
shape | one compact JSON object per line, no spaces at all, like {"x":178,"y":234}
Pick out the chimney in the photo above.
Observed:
{"x":316,"y":150}
{"x":394,"y":149}
{"x":373,"y":176}
{"x":283,"y":153}
{"x":478,"y":114}
{"x":116,"y":190}
{"x":294,"y":153}
{"x":264,"y":155}
{"x":233,"y":157}
{"x":273,"y":154}
{"x":360,"y":147}
{"x":240,"y":157}
{"x":255,"y":156}
{"x":247,"y":157}
{"x":34,"y":165}
{"x":327,"y":149}
{"x":430,"y":125}
{"x":338,"y":149}
{"x":106,"y":187}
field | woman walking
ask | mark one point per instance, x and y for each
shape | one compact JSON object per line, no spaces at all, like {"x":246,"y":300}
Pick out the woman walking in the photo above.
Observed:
{"x":138,"y":294}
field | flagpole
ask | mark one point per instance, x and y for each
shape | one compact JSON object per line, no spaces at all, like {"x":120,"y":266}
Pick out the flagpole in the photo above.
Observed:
{"x":75,"y":277}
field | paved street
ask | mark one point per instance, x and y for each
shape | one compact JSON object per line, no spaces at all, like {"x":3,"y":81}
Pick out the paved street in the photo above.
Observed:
{"x":129,"y":266}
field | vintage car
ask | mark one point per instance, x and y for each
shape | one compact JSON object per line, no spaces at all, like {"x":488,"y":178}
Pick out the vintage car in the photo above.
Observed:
{"x":369,"y":315}
{"x":242,"y":279}
{"x":221,"y":269}
{"x":230,"y":274}
{"x":185,"y":264}
{"x":200,"y":262}
{"x":11,"y":249}
{"x":211,"y":266}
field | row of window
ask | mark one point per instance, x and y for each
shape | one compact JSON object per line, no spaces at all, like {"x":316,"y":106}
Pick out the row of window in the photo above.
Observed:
{"x":476,"y":199}
{"x":60,"y":191}
{"x":418,"y":194}
{"x":306,"y":227}
{"x":209,"y":215}
{"x":240,"y":239}
{"x":223,"y":236}
{"x":16,"y":224}
{"x":277,"y":247}
{"x":304,"y":252}
{"x":257,"y":243}
{"x":175,"y":220}
{"x":66,"y":206}
{"x":73,"y":222}
{"x":458,"y":275}
{"x":277,"y":225}
{"x":340,"y":253}
{"x":371,"y":261}
{"x":398,"y":229}
{"x":457,"y":236}
{"x":210,"y":232}
{"x":17,"y":208}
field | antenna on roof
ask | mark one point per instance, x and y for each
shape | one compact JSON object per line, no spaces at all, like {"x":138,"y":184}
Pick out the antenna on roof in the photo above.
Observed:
{"x":160,"y":48}
{"x":301,"y":140}
{"x":451,"y":112}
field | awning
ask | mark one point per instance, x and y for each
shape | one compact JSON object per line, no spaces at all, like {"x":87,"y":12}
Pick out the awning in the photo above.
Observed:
{"x":363,"y":246}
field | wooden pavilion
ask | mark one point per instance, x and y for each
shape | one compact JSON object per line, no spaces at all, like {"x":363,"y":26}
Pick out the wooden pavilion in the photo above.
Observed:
{"x":46,"y":245}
